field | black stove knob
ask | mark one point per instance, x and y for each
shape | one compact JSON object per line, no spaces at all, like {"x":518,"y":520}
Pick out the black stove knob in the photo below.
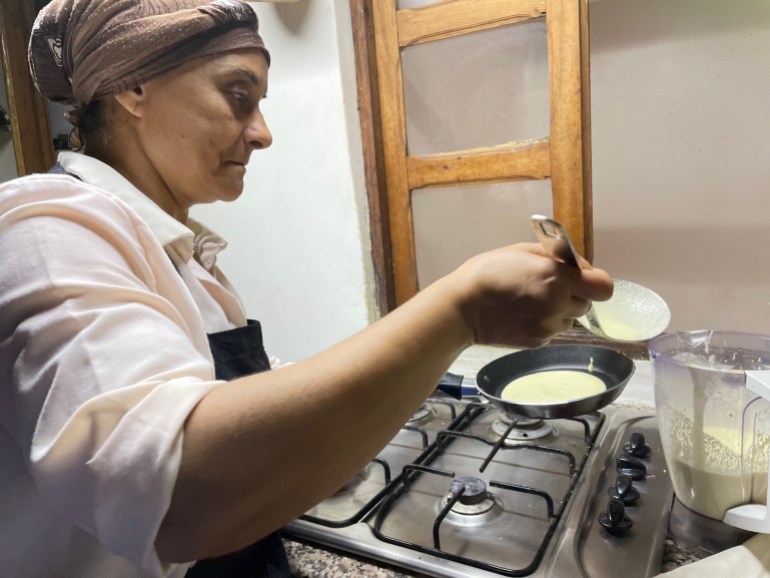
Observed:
{"x":614,"y":520}
{"x":624,"y":490}
{"x":632,"y":467}
{"x":636,"y":446}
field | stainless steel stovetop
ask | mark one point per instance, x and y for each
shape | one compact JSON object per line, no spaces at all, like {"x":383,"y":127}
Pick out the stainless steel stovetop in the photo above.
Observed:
{"x":463,"y":490}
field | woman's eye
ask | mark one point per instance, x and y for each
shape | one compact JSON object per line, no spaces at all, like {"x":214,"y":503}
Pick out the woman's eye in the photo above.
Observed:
{"x":241,"y":100}
{"x":240,"y":97}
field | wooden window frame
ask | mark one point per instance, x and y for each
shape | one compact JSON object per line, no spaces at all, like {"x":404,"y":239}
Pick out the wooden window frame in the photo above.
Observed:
{"x":374,"y":151}
{"x":27,"y":108}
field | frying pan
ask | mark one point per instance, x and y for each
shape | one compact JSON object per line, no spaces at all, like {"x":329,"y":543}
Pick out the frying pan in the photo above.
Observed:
{"x":612,"y":367}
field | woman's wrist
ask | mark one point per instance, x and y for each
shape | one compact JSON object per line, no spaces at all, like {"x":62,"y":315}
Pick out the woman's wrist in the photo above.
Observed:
{"x":455,"y":296}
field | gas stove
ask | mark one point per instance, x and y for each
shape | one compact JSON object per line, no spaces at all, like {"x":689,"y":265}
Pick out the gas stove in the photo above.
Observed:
{"x":465,"y":490}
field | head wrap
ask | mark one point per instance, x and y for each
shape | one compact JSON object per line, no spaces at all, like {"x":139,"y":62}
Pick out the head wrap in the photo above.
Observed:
{"x":84,"y":50}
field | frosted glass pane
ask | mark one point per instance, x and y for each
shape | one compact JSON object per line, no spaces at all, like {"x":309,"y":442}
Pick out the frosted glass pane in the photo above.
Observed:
{"x":452,"y":224}
{"x":402,"y":4}
{"x":477,"y":90}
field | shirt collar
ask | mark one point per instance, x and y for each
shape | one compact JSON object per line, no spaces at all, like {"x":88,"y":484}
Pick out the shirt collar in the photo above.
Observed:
{"x":170,"y":233}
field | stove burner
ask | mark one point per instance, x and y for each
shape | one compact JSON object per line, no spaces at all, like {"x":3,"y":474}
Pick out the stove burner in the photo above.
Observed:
{"x":475,"y":490}
{"x":474,"y":502}
{"x":421,"y":415}
{"x":526,"y":430}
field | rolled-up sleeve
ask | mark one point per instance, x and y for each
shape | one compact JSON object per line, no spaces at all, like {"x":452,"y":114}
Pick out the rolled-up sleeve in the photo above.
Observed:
{"x":102,"y":358}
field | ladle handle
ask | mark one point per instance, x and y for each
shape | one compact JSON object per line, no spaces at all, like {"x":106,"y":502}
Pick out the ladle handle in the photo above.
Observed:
{"x":555,"y":239}
{"x":753,"y":517}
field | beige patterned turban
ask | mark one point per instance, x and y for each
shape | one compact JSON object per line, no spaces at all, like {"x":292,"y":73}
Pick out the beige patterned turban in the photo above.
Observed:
{"x":82,"y":50}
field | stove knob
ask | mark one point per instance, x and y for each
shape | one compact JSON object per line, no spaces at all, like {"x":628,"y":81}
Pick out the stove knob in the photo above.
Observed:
{"x":624,"y":490}
{"x":632,"y":467}
{"x":636,"y":446}
{"x":614,"y":520}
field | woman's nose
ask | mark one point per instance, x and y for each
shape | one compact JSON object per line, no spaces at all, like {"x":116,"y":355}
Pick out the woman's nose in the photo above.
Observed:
{"x":257,"y":134}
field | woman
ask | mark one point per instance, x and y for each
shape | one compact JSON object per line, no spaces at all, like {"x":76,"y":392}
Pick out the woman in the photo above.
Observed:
{"x":139,"y":429}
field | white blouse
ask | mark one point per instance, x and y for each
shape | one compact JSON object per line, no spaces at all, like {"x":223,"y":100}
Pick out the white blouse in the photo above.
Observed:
{"x":105,"y":302}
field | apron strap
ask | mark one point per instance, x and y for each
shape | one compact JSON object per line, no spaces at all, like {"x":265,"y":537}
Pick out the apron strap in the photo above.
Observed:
{"x":238,"y":352}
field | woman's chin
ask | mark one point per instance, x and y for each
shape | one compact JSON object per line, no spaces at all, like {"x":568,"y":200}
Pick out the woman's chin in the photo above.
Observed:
{"x":231,"y":195}
{"x":229,"y":189}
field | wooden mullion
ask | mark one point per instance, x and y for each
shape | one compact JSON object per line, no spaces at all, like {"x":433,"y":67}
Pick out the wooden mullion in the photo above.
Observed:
{"x":374,"y":161}
{"x":27,"y":108}
{"x":393,"y":114}
{"x":456,"y":17}
{"x":585,"y":110}
{"x":569,"y":167}
{"x":516,"y":161}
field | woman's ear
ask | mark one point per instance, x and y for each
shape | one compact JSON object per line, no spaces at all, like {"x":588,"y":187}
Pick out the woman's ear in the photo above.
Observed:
{"x":132,"y":100}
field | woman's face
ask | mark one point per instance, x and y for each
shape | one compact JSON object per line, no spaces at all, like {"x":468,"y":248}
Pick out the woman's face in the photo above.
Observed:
{"x":200,"y":124}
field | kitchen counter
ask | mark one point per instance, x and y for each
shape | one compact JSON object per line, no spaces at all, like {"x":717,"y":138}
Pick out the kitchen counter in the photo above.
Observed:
{"x":315,"y":562}
{"x":319,"y":562}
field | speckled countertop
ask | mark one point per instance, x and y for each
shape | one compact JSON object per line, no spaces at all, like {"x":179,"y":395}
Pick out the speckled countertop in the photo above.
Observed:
{"x":308,"y":561}
{"x":314,"y":562}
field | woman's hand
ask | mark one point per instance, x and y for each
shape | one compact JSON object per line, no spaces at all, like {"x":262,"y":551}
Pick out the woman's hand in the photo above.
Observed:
{"x":519,"y":296}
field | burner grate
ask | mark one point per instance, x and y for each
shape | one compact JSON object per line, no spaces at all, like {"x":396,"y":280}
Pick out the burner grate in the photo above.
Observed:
{"x":351,"y":504}
{"x":456,"y":491}
{"x":443,"y":445}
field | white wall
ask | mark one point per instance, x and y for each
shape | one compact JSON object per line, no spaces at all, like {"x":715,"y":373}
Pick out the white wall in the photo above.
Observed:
{"x":681,"y":154}
{"x":681,"y":159}
{"x":299,"y":249}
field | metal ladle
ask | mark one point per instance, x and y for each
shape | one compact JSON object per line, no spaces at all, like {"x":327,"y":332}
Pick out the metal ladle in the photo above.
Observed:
{"x":633,"y":313}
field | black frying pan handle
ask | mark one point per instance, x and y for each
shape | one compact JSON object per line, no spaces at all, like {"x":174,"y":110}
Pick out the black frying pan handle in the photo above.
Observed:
{"x":451,"y":384}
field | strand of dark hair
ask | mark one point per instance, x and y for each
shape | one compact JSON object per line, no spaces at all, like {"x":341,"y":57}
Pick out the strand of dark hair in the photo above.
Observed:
{"x":88,"y":122}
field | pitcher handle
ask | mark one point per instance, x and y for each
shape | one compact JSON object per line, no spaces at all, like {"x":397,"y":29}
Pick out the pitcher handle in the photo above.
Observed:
{"x":753,"y":517}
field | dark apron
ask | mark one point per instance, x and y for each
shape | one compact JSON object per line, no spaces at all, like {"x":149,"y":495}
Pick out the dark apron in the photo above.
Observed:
{"x":238,"y":352}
